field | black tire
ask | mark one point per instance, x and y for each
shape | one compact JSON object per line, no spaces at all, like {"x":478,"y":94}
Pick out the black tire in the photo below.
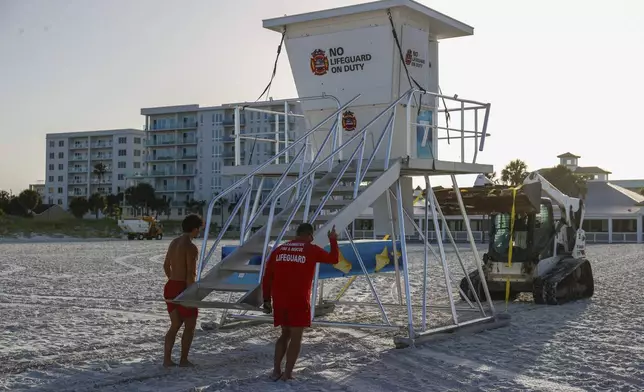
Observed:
{"x":139,"y":237}
{"x":130,"y":237}
{"x":159,"y":236}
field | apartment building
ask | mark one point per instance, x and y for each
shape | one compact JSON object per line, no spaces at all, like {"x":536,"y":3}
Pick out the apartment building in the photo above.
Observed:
{"x":39,"y":187}
{"x":188,"y":145}
{"x":72,"y":160}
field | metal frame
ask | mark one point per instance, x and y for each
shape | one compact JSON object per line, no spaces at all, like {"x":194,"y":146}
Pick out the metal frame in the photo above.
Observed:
{"x":302,"y":189}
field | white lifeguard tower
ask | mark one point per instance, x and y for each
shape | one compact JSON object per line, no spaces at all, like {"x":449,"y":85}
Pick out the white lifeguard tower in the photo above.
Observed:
{"x":367,"y":80}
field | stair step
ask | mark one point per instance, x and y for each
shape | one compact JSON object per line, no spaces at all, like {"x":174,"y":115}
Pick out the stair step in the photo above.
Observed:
{"x":221,"y":286}
{"x":216,"y":305}
{"x":247,"y":268}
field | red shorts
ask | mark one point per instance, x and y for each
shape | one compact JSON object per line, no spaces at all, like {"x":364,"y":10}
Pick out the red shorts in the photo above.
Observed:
{"x":287,"y":317}
{"x":170,"y":291}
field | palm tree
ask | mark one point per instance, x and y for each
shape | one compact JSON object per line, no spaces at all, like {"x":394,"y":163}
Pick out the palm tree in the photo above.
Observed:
{"x":514,"y":173}
{"x":99,"y":170}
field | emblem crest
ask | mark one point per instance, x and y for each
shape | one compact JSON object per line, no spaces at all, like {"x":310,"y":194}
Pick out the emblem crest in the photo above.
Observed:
{"x":349,"y":122}
{"x":408,"y":57}
{"x":319,"y":62}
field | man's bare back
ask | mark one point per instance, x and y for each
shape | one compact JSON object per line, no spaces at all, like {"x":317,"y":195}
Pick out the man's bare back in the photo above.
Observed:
{"x":181,"y":260}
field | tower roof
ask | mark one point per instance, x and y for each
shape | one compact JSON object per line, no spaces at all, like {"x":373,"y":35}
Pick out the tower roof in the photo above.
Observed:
{"x":568,"y":155}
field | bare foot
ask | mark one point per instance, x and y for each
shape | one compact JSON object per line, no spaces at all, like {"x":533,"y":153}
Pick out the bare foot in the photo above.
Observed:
{"x":186,"y":363}
{"x":286,"y":377}
{"x":169,"y":364}
{"x":276,"y":375}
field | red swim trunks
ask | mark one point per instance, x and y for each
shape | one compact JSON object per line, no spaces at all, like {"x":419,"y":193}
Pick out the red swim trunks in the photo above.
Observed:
{"x":299,"y":318}
{"x":170,"y":291}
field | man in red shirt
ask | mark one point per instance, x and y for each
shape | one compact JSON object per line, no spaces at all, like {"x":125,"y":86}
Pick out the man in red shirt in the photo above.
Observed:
{"x":287,"y":280}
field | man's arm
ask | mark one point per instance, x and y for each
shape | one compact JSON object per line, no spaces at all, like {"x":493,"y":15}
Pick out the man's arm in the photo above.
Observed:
{"x":322,"y":256}
{"x":191,"y":264}
{"x":267,"y":279}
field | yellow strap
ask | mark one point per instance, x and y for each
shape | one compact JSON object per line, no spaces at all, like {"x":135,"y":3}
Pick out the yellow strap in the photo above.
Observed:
{"x":511,"y":244}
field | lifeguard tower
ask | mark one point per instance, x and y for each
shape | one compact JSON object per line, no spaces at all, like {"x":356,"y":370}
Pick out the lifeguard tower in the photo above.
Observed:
{"x":368,"y":85}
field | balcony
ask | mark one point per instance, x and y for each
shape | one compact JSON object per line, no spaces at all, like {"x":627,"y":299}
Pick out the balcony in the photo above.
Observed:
{"x":165,"y":157}
{"x":230,"y":122}
{"x":102,"y":156}
{"x":162,"y":173}
{"x":102,"y":144}
{"x":187,"y":172}
{"x":79,"y":146}
{"x":78,"y":182}
{"x":160,"y":142}
{"x":103,"y":181}
{"x":78,"y":170}
{"x":172,"y":127}
{"x":189,"y":155}
{"x":77,"y":194}
{"x":188,"y":140}
{"x":78,"y":158}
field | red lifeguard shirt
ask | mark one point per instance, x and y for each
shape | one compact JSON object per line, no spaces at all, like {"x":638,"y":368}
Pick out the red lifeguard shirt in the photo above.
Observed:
{"x":289,"y":272}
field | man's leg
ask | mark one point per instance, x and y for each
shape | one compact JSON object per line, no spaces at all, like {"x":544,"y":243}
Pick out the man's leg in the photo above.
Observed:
{"x":280,"y":351}
{"x":170,"y":336}
{"x":293,"y":351}
{"x":186,"y":340}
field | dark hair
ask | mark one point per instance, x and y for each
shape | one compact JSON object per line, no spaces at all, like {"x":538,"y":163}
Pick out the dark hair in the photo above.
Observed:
{"x":304,"y":229}
{"x":191,"y":222}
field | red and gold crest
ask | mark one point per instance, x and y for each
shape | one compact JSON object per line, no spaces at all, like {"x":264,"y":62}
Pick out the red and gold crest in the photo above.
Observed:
{"x":319,"y":62}
{"x":349,"y":122}
{"x":408,"y":57}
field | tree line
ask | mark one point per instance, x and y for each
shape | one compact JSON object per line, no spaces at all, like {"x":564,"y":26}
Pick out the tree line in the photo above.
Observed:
{"x":142,"y":197}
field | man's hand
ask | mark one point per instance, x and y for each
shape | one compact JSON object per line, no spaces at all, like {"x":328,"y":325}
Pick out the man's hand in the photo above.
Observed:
{"x":268,"y":308}
{"x":332,"y":234}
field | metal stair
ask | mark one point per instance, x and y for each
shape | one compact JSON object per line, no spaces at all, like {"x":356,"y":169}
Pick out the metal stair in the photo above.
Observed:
{"x":329,"y":190}
{"x":339,"y":213}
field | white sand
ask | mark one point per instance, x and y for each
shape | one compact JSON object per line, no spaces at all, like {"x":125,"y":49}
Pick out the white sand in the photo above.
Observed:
{"x":89,"y":316}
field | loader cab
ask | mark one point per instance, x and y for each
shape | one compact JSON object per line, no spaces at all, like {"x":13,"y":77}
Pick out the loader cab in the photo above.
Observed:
{"x":533,"y":235}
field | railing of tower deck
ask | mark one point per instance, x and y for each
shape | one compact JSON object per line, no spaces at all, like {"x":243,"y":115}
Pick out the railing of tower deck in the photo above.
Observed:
{"x":309,"y":190}
{"x":474,"y":106}
{"x":237,"y":184}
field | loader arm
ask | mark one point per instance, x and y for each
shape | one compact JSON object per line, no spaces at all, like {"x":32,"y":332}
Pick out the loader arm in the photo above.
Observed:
{"x":570,"y":234}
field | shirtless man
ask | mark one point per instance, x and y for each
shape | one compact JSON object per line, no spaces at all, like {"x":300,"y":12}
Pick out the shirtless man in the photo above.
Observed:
{"x":181,"y":269}
{"x":287,"y":280}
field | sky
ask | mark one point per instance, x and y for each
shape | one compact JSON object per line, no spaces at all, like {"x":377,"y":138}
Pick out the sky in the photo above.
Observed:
{"x":561,"y":75}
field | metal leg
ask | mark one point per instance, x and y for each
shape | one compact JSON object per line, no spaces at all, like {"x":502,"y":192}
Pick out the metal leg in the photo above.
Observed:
{"x":441,"y":249}
{"x":242,"y":234}
{"x":428,"y":246}
{"x":477,"y":258}
{"x":393,"y":242}
{"x":403,"y":250}
{"x":366,"y":274}
{"x":460,"y":260}
{"x":426,"y":241}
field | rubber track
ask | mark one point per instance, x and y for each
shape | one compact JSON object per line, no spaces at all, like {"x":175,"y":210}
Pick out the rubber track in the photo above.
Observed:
{"x":544,"y":289}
